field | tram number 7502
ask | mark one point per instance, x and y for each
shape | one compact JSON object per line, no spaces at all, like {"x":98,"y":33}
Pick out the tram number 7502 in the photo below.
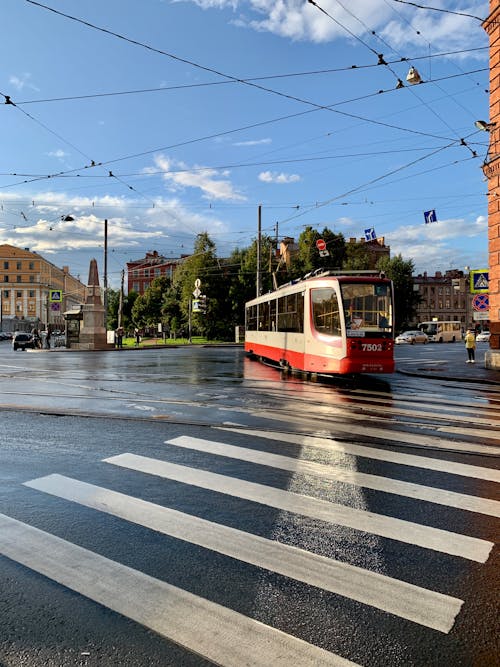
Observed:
{"x":371,"y":347}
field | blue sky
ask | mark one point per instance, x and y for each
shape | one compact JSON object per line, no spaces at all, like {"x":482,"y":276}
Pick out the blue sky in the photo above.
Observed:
{"x":195,"y":113}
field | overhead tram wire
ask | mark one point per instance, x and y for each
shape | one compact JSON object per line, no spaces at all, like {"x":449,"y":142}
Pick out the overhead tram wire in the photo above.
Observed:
{"x":365,"y":185}
{"x":141,"y":91}
{"x":440,"y":9}
{"x":381,"y":59}
{"x":419,"y":33}
{"x":412,"y":90}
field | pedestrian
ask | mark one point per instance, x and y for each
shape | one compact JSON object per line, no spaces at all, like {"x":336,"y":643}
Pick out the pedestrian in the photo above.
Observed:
{"x":47,"y":339}
{"x":137,"y":337}
{"x":470,"y":346}
{"x":119,"y":337}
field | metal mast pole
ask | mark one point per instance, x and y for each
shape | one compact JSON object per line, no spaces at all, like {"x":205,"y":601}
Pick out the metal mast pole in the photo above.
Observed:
{"x":105,"y":274}
{"x":259,"y":234}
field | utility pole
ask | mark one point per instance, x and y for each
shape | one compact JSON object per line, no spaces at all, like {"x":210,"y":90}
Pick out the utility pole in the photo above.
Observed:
{"x":259,"y":234}
{"x":120,"y":303}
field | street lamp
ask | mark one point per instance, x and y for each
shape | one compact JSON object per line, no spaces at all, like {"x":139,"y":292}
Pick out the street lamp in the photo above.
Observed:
{"x":484,"y":126}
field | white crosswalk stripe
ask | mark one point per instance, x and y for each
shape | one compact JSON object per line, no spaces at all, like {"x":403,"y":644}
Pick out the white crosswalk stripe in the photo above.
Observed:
{"x":331,"y":445}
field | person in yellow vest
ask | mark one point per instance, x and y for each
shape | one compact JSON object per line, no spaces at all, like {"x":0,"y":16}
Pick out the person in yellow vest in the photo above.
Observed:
{"x":470,"y":346}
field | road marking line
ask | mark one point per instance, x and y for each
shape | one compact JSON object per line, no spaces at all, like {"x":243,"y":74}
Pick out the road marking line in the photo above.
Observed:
{"x":451,"y":467}
{"x":218,"y":634}
{"x":427,"y":537}
{"x":431,"y":609}
{"x":391,"y":433}
{"x":375,"y":482}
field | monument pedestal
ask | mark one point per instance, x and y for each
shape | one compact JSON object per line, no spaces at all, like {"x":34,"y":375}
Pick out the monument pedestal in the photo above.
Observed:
{"x":93,"y":330}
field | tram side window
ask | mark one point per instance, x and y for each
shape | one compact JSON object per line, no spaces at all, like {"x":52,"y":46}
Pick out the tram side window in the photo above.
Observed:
{"x":251,"y":319}
{"x":291,"y":313}
{"x":325,"y":309}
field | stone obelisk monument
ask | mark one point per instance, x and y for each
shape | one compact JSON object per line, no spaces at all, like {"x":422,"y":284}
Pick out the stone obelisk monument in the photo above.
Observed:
{"x":93,"y":328}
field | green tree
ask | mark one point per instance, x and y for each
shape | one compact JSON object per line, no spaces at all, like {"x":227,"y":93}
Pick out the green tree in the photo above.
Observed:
{"x":204,"y":265}
{"x":171,"y":313}
{"x":309,"y":259}
{"x":113,"y":301}
{"x":406,"y":299}
{"x":114,"y":306}
{"x":147,"y":308}
{"x":357,"y":257}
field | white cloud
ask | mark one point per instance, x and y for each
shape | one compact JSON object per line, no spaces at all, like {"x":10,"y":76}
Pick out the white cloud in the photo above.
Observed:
{"x":213,"y":183}
{"x":442,"y":245}
{"x":58,"y":154}
{"x":274,"y":177}
{"x":44,"y":231}
{"x":300,"y":20}
{"x":255,"y":142}
{"x":22,"y":81}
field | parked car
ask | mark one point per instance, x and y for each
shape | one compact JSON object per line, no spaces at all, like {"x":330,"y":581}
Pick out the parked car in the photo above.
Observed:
{"x":483,"y":337}
{"x":411,"y":337}
{"x":22,"y":340}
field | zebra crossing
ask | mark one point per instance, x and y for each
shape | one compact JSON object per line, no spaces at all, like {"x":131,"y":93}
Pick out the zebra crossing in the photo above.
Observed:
{"x":221,"y":634}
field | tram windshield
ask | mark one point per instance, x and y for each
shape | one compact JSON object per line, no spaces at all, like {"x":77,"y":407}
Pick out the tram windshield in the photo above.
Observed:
{"x":367,"y":307}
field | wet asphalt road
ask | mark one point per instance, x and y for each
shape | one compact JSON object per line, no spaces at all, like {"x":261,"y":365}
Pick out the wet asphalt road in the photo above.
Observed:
{"x":317,"y":469}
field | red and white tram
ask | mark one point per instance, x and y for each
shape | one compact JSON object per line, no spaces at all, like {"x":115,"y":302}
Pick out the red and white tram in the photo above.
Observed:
{"x":325,"y":324}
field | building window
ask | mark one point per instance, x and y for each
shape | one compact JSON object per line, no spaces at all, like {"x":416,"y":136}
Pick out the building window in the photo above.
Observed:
{"x":32,"y":266}
{"x":146,"y":285}
{"x":31,"y":306}
{"x":32,"y":293}
{"x":6,"y":279}
{"x":19,"y":279}
{"x":135,"y":273}
{"x":6,"y":265}
{"x":19,"y":266}
{"x":5,"y":293}
{"x":157,"y":272}
{"x":19,"y":295}
{"x":135,"y":287}
{"x":448,"y":304}
{"x":32,"y":279}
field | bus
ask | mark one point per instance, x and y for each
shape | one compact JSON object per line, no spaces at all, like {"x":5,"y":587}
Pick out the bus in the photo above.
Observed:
{"x":442,"y":331}
{"x":325,"y":323}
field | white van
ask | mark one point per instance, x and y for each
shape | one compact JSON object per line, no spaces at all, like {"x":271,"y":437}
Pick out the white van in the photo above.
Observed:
{"x":442,"y":331}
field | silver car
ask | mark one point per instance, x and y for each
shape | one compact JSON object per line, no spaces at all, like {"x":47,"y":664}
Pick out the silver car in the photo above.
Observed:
{"x":411,"y":337}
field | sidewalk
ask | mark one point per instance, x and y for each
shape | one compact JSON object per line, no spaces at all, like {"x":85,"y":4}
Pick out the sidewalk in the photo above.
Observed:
{"x":444,"y":370}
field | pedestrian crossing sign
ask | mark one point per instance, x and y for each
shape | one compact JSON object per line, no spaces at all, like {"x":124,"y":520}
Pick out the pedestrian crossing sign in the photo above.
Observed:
{"x":55,"y":296}
{"x":479,"y":281}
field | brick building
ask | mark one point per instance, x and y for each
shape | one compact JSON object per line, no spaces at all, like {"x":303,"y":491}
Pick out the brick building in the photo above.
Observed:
{"x":491,"y":169}
{"x":28,"y":283}
{"x":142,"y":272}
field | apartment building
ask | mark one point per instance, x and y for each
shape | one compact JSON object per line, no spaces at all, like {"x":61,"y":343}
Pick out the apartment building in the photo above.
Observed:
{"x":444,"y":297}
{"x":34,"y":292}
{"x":142,"y":272}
